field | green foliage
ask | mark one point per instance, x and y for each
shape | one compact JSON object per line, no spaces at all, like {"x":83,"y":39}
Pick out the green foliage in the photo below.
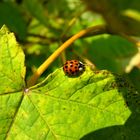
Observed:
{"x":12,"y":70}
{"x":95,"y":105}
{"x":12,"y":17}
{"x":121,"y":16}
{"x":114,"y":51}
{"x":63,"y":107}
{"x":36,"y":9}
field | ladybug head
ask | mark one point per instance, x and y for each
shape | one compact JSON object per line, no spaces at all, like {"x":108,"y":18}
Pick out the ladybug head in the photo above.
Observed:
{"x":81,"y":66}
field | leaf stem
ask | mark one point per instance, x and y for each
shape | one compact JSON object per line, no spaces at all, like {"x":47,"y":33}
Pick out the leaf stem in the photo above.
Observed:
{"x":100,"y":29}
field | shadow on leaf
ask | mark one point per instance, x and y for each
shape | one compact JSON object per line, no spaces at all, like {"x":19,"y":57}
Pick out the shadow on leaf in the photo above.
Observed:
{"x":131,"y":129}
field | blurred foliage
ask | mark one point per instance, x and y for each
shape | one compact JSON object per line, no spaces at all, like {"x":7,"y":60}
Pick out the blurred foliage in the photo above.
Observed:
{"x":42,"y":25}
{"x":121,"y":16}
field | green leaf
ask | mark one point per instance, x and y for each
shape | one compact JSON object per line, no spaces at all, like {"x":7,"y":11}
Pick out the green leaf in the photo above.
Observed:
{"x":12,"y":74}
{"x":134,"y":76}
{"x":37,"y":10}
{"x":11,"y":16}
{"x":115,"y":52}
{"x":12,"y":70}
{"x":63,"y":107}
{"x":121,"y":16}
{"x":9,"y":105}
{"x":68,"y":108}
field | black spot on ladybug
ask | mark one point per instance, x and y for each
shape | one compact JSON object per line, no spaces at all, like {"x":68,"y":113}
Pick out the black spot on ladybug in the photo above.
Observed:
{"x":71,"y":62}
{"x":71,"y":65}
{"x":72,"y":72}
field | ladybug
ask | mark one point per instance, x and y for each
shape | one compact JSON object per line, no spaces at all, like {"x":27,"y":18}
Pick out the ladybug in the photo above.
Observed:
{"x":73,"y":67}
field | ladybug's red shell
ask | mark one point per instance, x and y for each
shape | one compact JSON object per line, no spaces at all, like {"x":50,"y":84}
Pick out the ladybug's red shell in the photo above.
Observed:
{"x":73,"y":67}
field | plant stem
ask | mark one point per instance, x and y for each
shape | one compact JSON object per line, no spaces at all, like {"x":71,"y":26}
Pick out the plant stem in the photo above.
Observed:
{"x":95,"y":29}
